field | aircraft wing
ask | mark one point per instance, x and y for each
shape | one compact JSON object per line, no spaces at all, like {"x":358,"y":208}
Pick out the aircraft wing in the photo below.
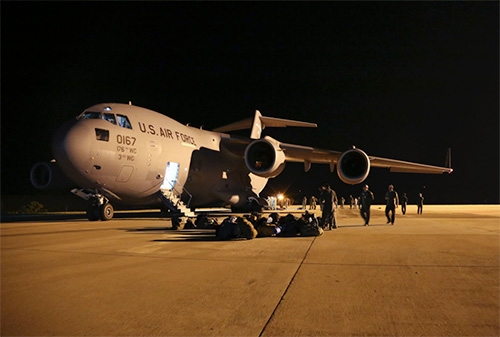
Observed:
{"x":297,"y":153}
{"x":352,"y":161}
{"x":407,"y":167}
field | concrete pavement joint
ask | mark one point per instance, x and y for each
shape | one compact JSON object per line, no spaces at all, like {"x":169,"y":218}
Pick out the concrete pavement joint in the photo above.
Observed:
{"x":288,"y":286}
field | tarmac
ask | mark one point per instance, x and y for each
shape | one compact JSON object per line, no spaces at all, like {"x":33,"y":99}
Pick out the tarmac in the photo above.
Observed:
{"x":435,"y":274}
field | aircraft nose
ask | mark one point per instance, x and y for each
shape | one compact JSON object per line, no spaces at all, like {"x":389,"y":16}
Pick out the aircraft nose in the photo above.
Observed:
{"x":71,"y":145}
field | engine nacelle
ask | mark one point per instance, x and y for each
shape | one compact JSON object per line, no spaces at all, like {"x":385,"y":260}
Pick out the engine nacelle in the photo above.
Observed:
{"x":353,"y":166}
{"x":265,"y":158}
{"x":49,"y":176}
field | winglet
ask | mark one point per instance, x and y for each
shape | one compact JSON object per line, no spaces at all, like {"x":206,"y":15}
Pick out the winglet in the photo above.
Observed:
{"x":448,"y":161}
{"x":260,"y":122}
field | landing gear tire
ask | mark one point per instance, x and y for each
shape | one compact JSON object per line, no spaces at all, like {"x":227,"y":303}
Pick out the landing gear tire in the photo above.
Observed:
{"x":106,"y":212}
{"x":93,"y":213}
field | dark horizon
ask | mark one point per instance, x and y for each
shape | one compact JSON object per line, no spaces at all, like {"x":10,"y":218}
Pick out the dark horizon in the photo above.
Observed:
{"x":398,"y":80}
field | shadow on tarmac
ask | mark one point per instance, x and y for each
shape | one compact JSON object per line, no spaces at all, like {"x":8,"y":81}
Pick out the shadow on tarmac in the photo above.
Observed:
{"x":190,"y":235}
{"x":78,"y":216}
{"x":184,"y":235}
{"x":363,"y":226}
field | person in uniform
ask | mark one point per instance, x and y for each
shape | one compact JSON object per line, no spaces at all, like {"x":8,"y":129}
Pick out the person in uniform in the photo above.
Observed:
{"x":328,"y":199}
{"x":313,"y":203}
{"x":420,"y":203}
{"x":366,"y":199}
{"x":404,"y":202}
{"x":392,"y":202}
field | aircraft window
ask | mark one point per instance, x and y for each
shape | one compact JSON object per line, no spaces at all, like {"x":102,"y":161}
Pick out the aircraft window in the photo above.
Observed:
{"x":110,"y":118}
{"x":91,"y":115}
{"x":123,"y":121}
{"x":102,"y":135}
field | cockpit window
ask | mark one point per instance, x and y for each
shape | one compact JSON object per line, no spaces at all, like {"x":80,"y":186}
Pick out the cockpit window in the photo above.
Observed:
{"x":102,"y":135}
{"x":123,"y":121}
{"x":110,"y":118}
{"x":91,"y":115}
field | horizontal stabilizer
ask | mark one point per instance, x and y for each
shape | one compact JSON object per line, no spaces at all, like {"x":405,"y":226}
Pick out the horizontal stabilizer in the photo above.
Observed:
{"x":240,"y":125}
{"x":281,"y":123}
{"x":259,"y":123}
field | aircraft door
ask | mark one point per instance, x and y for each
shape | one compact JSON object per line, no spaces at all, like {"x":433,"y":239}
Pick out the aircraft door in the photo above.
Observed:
{"x":171,"y":173}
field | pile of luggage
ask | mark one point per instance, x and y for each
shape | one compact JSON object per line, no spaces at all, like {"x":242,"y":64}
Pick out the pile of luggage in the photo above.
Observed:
{"x":256,"y":225}
{"x":201,"y":222}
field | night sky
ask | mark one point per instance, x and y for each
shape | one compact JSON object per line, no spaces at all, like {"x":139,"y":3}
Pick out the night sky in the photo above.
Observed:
{"x":401,"y":80}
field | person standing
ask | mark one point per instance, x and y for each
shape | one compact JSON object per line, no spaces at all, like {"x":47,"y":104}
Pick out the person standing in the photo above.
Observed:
{"x":392,"y":202}
{"x":404,"y":202}
{"x":366,"y":199}
{"x":312,"y":206}
{"x":304,"y":203}
{"x":420,"y":203}
{"x":328,"y":199}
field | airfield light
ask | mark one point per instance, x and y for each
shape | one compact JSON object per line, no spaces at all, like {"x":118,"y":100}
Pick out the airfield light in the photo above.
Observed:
{"x":280,"y":197}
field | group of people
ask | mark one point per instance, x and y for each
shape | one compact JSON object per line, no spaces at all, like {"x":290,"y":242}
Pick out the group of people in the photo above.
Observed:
{"x":328,"y":201}
{"x":256,"y":224}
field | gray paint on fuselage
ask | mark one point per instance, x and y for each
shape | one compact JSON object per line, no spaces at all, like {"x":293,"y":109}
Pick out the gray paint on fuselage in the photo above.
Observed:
{"x":217,"y":172}
{"x":142,"y":154}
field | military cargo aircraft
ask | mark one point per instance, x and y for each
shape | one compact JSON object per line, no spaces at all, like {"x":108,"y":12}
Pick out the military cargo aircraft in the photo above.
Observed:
{"x":119,"y":153}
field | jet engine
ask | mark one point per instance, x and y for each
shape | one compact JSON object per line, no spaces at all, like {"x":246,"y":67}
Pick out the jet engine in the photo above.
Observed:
{"x":353,"y":166}
{"x":49,"y":176}
{"x":265,"y":158}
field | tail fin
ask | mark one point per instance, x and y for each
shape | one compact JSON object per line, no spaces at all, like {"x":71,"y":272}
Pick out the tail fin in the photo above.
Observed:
{"x":259,"y":123}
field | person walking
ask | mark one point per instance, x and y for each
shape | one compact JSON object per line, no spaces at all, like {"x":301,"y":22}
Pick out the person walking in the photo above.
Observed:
{"x":404,"y":202}
{"x":420,"y":203}
{"x":328,"y":199}
{"x":392,"y":202}
{"x":366,"y":199}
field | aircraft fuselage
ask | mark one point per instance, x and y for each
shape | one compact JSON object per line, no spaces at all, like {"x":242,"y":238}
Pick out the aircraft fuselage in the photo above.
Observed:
{"x":128,"y":153}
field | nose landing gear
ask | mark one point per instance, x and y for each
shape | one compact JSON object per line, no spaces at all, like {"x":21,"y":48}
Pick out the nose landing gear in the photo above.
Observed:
{"x":102,"y":212}
{"x":99,"y":209}
{"x":107,"y":212}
